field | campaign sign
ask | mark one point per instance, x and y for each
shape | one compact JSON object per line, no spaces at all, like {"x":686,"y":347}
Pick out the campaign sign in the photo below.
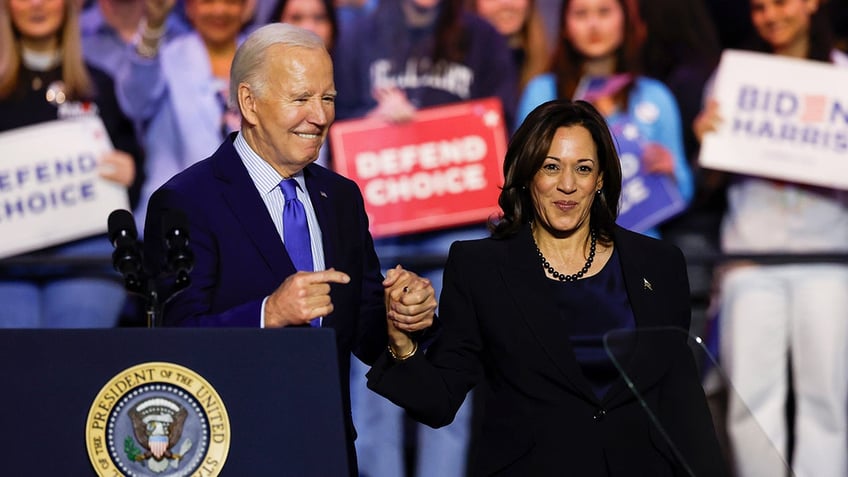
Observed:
{"x":782,"y":118}
{"x":50,"y":191}
{"x":647,"y":199}
{"x":442,"y":169}
{"x":594,"y":88}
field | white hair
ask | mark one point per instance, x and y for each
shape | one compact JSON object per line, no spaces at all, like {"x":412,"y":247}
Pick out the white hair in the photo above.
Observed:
{"x":250,"y":60}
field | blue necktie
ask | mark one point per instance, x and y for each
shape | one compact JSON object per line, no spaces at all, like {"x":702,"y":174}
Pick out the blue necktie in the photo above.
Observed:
{"x":296,"y":231}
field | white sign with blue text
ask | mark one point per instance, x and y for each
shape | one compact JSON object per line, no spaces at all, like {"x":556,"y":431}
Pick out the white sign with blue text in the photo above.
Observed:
{"x":782,"y":118}
{"x":50,"y":190}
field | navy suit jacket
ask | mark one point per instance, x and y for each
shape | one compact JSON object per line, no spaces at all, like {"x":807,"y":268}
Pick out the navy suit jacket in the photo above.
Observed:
{"x":240,"y":258}
{"x":501,"y":326}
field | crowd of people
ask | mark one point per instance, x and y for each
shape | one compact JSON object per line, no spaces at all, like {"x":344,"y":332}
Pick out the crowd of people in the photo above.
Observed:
{"x":179,"y":81}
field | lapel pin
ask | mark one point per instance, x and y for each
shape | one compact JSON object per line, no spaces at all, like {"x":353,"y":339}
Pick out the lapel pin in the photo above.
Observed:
{"x":323,"y":194}
{"x":647,"y":284}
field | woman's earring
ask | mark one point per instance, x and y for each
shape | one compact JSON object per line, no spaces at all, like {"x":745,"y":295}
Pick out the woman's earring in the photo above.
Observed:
{"x":598,"y":192}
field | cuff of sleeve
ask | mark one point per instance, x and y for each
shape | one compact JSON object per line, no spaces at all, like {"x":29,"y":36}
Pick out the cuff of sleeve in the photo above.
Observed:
{"x":262,"y":313}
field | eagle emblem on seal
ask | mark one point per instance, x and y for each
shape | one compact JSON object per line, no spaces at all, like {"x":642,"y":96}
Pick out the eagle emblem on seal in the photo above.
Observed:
{"x":158,"y":426}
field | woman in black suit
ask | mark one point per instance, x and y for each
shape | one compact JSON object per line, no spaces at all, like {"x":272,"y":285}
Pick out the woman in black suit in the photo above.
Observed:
{"x":526,"y":311}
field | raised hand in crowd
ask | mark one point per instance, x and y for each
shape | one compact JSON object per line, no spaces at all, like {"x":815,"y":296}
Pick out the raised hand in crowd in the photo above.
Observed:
{"x":708,"y":120}
{"x":157,"y":11}
{"x":657,"y":159}
{"x":150,"y":35}
{"x":392,"y":105}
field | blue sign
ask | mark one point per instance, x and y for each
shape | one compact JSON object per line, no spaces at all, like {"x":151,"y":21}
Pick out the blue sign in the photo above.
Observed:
{"x":647,"y":199}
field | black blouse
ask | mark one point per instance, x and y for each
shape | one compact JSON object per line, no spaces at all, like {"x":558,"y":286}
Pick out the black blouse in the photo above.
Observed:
{"x":592,"y":307}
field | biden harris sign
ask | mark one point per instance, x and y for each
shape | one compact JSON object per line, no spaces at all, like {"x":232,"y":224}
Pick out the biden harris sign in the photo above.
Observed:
{"x":50,"y":190}
{"x":782,"y":118}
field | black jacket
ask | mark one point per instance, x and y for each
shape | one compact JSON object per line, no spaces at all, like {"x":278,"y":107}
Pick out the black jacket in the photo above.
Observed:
{"x":501,"y":325}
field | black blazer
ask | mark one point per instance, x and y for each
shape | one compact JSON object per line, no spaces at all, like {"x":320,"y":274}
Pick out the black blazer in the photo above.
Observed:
{"x":541,"y":416}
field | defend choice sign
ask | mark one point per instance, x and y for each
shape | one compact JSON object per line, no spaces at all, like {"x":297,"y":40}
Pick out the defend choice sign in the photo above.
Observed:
{"x":442,"y":169}
{"x":782,"y":118}
{"x":50,"y":191}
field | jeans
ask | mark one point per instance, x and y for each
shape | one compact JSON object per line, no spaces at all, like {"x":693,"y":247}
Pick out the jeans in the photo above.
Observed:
{"x":51,"y":295}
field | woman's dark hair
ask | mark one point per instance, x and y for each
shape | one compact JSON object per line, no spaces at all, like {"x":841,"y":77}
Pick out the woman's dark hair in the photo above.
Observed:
{"x":821,"y":36}
{"x":567,"y":62}
{"x":329,"y":7}
{"x":527,"y":151}
{"x":452,"y":39}
{"x":691,"y":38}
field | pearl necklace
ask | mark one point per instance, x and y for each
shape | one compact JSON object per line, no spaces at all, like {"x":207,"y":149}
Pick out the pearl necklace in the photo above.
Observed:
{"x":571,"y":278}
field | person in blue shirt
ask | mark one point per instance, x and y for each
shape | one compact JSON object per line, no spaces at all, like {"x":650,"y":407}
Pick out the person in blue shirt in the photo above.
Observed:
{"x":178,"y":89}
{"x":110,"y":27}
{"x":602,"y":39}
{"x":350,"y":12}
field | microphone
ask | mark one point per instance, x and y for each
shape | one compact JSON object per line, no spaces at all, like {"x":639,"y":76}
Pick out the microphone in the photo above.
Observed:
{"x":180,"y":258}
{"x":126,"y":259}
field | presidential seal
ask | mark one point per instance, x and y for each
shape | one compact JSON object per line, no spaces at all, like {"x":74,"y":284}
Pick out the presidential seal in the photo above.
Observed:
{"x":157,"y":419}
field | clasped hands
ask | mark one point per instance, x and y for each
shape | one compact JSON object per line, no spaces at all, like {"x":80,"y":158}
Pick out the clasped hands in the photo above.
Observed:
{"x":410,"y":301}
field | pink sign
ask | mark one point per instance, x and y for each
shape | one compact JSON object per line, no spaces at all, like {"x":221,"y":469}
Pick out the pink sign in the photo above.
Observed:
{"x":445,"y":168}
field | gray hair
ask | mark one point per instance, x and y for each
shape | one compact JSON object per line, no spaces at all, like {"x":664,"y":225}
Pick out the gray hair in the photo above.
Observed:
{"x":249,"y":60}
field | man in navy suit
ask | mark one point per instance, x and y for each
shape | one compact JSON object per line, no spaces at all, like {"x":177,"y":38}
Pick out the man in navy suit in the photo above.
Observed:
{"x":282,"y":81}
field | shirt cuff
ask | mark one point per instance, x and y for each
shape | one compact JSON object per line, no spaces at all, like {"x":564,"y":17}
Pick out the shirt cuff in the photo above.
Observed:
{"x":262,"y":313}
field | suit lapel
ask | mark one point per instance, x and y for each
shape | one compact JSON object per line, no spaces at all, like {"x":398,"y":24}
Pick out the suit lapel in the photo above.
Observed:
{"x":531,"y":292}
{"x":319,"y":194}
{"x":240,"y":194}
{"x":332,"y":225}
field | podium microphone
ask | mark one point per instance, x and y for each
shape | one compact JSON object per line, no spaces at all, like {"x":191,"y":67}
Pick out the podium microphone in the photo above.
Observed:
{"x":180,"y":259}
{"x":126,"y":259}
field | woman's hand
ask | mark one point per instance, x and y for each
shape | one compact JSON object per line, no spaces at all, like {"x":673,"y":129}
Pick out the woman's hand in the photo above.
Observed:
{"x":117,"y":166}
{"x":708,"y":120}
{"x":392,"y":105}
{"x":656,"y":159}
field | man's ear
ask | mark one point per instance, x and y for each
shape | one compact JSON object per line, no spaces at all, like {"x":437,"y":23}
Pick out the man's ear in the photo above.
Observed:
{"x":247,"y":103}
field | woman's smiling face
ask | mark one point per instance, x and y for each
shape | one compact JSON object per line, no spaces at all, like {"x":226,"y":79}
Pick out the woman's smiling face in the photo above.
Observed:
{"x":564,"y":188}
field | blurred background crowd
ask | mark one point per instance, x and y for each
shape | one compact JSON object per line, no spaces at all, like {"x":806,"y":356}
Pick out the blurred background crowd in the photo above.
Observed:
{"x":157,"y":73}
